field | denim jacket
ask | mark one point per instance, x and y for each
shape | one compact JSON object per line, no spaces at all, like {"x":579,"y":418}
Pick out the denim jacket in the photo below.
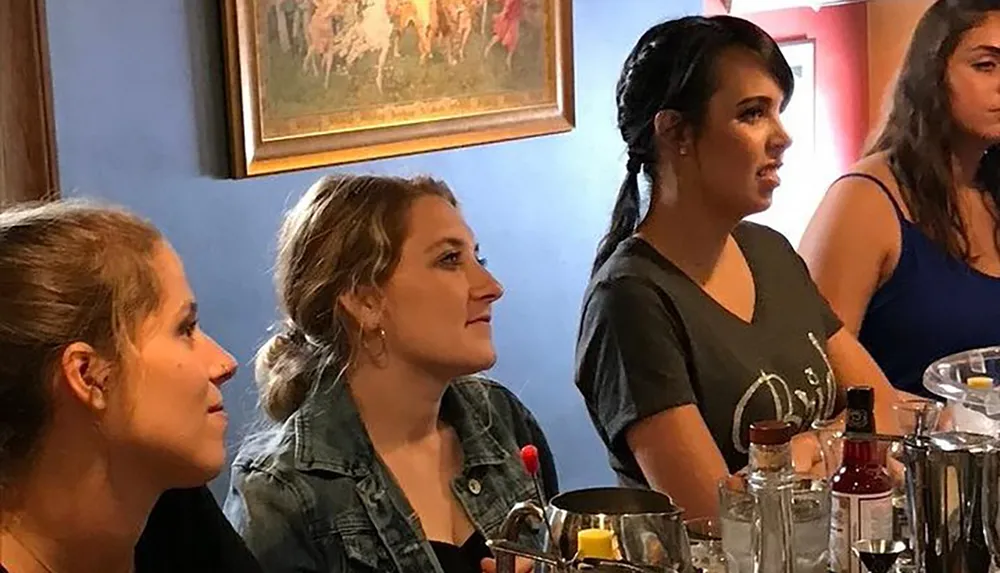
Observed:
{"x":314,"y":497}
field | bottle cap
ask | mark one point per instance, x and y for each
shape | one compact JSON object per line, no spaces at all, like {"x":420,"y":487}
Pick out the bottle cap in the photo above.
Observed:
{"x":860,"y":398}
{"x":595,"y":543}
{"x":770,"y":433}
{"x":860,"y":410}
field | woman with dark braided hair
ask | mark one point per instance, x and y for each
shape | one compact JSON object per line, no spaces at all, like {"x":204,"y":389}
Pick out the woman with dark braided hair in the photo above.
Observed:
{"x":696,"y":323}
{"x":907,"y":245}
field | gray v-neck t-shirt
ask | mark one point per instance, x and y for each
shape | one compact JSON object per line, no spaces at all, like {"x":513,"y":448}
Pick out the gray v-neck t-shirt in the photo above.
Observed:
{"x":651,"y":339}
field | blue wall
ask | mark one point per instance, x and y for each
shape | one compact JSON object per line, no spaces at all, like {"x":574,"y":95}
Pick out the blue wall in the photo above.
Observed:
{"x":140,"y":120}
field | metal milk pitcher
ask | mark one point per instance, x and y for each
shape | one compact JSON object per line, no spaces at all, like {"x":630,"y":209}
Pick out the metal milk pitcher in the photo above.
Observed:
{"x":648,"y":530}
{"x":948,"y":491}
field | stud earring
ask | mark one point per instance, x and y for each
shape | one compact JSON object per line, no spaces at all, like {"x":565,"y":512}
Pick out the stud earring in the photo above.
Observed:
{"x":97,"y":397}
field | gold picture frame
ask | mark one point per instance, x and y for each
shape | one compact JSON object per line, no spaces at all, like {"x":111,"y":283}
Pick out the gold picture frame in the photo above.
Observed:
{"x":326,"y":82}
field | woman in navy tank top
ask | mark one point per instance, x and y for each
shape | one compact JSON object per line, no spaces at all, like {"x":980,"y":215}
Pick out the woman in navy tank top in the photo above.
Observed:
{"x":905,"y":246}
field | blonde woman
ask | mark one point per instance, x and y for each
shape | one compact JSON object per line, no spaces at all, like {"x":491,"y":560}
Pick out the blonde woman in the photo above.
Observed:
{"x":391,"y":453}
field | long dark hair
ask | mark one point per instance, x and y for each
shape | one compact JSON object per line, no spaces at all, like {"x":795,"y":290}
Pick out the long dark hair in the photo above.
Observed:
{"x":672,"y":67}
{"x":920,"y":127}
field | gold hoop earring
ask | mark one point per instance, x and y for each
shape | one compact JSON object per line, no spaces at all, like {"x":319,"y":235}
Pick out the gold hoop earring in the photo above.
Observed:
{"x":383,"y":346}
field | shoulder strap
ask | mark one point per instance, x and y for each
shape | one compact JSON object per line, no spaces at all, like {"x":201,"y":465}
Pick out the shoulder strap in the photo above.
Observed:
{"x":881,"y":185}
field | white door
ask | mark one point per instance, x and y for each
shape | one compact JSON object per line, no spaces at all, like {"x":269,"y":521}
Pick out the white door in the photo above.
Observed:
{"x":803,"y":181}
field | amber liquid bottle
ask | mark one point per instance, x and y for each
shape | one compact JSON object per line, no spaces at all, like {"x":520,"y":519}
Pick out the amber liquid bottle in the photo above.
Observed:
{"x":861,"y":488}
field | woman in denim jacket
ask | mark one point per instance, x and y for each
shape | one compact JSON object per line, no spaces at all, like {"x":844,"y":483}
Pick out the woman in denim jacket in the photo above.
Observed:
{"x":390,"y":454}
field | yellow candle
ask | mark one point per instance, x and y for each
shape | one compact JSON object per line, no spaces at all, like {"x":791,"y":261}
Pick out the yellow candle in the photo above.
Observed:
{"x":596,"y":543}
{"x":980,"y":382}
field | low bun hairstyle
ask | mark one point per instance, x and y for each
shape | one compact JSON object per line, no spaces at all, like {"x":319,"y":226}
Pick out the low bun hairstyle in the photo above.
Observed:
{"x":345,"y":233}
{"x":284,"y":366}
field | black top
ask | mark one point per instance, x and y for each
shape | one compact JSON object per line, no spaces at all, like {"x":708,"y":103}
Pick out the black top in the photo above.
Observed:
{"x":188,"y":532}
{"x":651,"y":339}
{"x":464,"y":559}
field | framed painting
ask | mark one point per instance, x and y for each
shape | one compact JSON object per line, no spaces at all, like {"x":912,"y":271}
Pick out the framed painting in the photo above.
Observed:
{"x":327,"y":82}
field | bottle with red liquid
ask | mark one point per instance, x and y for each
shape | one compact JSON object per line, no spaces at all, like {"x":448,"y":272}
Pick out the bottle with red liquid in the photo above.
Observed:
{"x":861,"y":488}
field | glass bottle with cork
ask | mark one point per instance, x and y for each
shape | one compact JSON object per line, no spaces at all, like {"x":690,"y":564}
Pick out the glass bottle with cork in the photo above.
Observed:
{"x":770,"y":478}
{"x":861,"y":488}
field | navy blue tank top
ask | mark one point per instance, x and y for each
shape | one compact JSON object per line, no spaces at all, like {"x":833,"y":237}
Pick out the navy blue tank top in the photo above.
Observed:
{"x":932,"y":305}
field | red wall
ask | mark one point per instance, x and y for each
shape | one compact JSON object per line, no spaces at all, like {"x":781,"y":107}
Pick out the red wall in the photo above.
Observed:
{"x":841,"y":37}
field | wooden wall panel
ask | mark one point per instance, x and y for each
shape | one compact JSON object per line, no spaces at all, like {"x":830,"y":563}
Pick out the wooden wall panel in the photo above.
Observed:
{"x":27,"y":140}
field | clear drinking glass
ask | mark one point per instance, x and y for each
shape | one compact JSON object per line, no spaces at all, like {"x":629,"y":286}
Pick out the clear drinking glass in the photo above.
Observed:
{"x":917,"y":415}
{"x":810,"y":518}
{"x":705,"y":535}
{"x":830,"y":434}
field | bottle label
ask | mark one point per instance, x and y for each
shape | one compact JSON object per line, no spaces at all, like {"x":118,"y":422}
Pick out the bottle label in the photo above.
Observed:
{"x":854,"y":517}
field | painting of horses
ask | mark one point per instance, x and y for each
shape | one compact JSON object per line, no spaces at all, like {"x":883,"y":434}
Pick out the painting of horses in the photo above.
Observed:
{"x":326,"y":82}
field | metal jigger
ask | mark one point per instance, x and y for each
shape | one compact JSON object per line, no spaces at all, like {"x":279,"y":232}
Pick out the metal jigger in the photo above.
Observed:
{"x":878,"y":555}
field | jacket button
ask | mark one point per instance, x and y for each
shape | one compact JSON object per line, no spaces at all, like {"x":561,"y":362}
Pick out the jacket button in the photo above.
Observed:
{"x":475,"y":487}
